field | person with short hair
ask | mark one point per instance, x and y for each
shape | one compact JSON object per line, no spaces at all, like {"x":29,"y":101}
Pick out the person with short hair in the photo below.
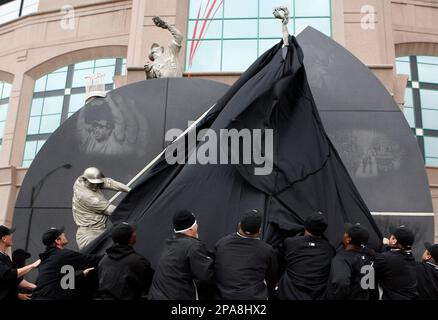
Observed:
{"x":396,"y":269}
{"x":245,"y":266}
{"x":123,"y":273}
{"x":308,"y":259}
{"x":427,"y":273}
{"x":11,"y":278}
{"x":183,"y":263}
{"x":345,"y":274}
{"x":53,"y":259}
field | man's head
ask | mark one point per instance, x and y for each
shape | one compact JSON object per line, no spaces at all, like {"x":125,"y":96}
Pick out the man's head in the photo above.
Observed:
{"x":316,"y":224}
{"x":101,"y":120}
{"x":124,"y":234}
{"x":155,"y":51}
{"x":403,"y":237}
{"x":431,"y":253}
{"x":6,"y":236}
{"x":250,"y":223}
{"x":355,"y":235}
{"x":184,"y":222}
{"x":55,"y":237}
{"x":93,"y":178}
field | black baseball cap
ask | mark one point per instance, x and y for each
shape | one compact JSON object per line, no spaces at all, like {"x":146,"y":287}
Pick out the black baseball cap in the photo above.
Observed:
{"x":316,"y":223}
{"x":5,"y":231}
{"x":183,"y":220}
{"x":251,"y":222}
{"x":405,"y":237}
{"x":433,"y":250}
{"x":358,"y":234}
{"x":122,"y":233}
{"x":51,"y":235}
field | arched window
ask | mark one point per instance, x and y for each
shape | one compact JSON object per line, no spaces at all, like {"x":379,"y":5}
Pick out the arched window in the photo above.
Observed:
{"x":12,"y":9}
{"x":61,"y":93}
{"x":228,"y":35}
{"x":5,"y":92}
{"x":421,"y":102}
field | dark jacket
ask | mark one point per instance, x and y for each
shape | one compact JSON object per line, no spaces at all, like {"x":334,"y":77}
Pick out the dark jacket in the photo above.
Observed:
{"x":307,"y":261}
{"x":183,"y":262}
{"x":345,"y":276}
{"x":8,"y":279}
{"x":123,"y":274}
{"x":242,"y":265}
{"x":427,"y":281}
{"x":396,"y":273}
{"x":49,"y":275}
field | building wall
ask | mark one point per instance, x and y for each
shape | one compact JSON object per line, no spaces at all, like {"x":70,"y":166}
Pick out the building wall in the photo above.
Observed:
{"x":376,"y":31}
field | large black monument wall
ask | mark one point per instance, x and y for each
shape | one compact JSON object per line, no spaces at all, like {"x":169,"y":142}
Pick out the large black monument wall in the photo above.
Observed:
{"x":361,"y":118}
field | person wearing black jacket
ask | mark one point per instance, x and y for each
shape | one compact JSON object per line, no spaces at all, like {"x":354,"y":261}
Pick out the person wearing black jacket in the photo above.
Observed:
{"x":11,"y":277}
{"x":346,"y":269}
{"x":396,"y":269}
{"x":183,"y":263}
{"x":123,"y":273}
{"x":308,"y":261}
{"x":49,"y":281}
{"x":427,"y":273}
{"x":245,"y":266}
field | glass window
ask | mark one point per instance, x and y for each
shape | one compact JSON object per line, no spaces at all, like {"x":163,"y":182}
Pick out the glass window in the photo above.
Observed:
{"x":408,"y":98}
{"x":208,"y":56}
{"x":267,"y":6}
{"x":30,"y":6}
{"x":37,"y":107}
{"x":105,"y":62}
{"x":306,"y":8}
{"x":410,"y":116}
{"x":40,"y":84}
{"x":238,"y":54}
{"x":246,"y":20}
{"x":56,"y":81}
{"x":84,"y":65}
{"x":34,"y":125}
{"x":432,"y":161}
{"x":270,"y":28}
{"x":77,"y":101}
{"x":428,"y":73}
{"x":431,"y":146}
{"x":50,"y":123}
{"x":2,"y":128}
{"x":323,"y":24}
{"x":79,"y":77}
{"x":30,"y":149}
{"x":53,"y":105}
{"x":6,"y":92}
{"x":240,"y":28}
{"x":3,"y":112}
{"x":200,"y":6}
{"x":108,"y":73}
{"x":430,"y":119}
{"x":213,"y":29}
{"x":241,"y":8}
{"x":429,"y":99}
{"x":265,"y":45}
{"x":427,"y":59}
{"x":403,"y":67}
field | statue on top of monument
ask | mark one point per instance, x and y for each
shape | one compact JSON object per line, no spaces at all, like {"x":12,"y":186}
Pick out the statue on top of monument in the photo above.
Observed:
{"x":282,"y":13}
{"x":164,"y":62}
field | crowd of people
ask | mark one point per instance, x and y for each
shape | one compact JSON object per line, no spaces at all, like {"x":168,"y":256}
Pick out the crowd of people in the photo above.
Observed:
{"x":241,"y":266}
